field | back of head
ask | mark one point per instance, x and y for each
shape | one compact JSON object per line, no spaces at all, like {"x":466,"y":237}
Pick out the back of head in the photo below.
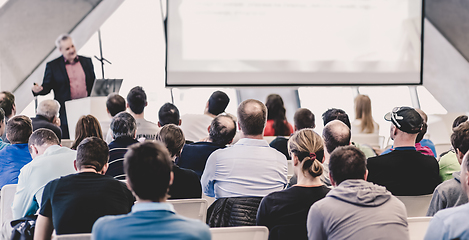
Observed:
{"x":7,"y":103}
{"x":48,"y":108}
{"x":93,"y":153}
{"x":172,"y":136}
{"x":252,"y":116}
{"x":19,"y":129}
{"x":304,"y":118}
{"x":218,"y":102}
{"x":123,"y":124}
{"x":115,"y":104}
{"x":168,"y":113}
{"x":87,"y":126}
{"x":2,"y":115}
{"x":459,"y":120}
{"x":347,"y":163}
{"x":276,"y":111}
{"x":148,"y":168}
{"x":308,"y":147}
{"x":335,"y":114}
{"x":137,"y":99}
{"x":460,"y":137}
{"x":407,"y":120}
{"x":363,"y":112}
{"x":222,"y":130}
{"x":43,"y":136}
{"x":336,"y":134}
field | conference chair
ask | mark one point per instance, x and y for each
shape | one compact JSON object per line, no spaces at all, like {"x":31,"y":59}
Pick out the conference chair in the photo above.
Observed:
{"x":67,"y":143}
{"x":6,"y":200}
{"x":78,"y":236}
{"x":191,"y":208}
{"x":369,"y":139}
{"x":442,"y":147}
{"x":418,"y":227}
{"x":244,"y":233}
{"x":416,"y":206}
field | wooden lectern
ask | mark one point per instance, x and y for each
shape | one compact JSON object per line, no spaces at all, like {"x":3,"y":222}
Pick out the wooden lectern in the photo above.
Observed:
{"x":95,"y":106}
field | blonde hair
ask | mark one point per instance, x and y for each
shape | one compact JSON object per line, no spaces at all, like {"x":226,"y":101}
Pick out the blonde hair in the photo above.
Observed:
{"x":303,"y":143}
{"x":363,"y":112}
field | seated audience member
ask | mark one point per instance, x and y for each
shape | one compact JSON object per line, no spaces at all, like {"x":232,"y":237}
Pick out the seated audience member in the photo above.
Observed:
{"x":195,"y":126}
{"x":50,"y":161}
{"x":3,"y":144}
{"x":339,"y":114}
{"x":13,"y":157}
{"x":124,"y":128}
{"x":429,"y":147}
{"x":449,"y":193}
{"x":148,"y":168}
{"x":115,"y":104}
{"x":72,"y":204}
{"x":277,"y":124}
{"x":451,"y":223}
{"x":448,"y":160}
{"x":303,"y":118}
{"x":186,"y":183}
{"x":47,"y":117}
{"x":249,"y":168}
{"x":136,"y":102}
{"x":364,"y":123}
{"x":355,"y":208}
{"x":168,"y":113}
{"x":285,"y":212}
{"x":7,"y":103}
{"x":87,"y":126}
{"x":195,"y":155}
{"x":404,"y":171}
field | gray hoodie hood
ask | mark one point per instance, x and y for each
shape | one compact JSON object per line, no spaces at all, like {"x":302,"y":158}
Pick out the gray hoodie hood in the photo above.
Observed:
{"x":457,"y":176}
{"x":360,"y":192}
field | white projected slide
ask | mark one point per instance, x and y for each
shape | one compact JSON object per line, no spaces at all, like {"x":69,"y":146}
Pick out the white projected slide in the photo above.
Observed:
{"x":290,"y":42}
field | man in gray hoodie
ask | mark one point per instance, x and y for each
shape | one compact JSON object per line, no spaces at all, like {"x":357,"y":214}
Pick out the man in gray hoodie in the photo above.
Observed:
{"x":355,"y":208}
{"x":449,"y":193}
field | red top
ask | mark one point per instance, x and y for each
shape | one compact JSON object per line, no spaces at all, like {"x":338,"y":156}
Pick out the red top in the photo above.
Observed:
{"x":77,"y":80}
{"x":269,"y":130}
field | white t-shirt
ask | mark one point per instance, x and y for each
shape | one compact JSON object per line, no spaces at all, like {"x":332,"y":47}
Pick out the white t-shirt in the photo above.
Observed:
{"x":195,"y":126}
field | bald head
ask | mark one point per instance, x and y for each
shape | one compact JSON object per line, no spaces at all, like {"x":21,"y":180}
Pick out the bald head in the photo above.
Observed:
{"x":222,"y":130}
{"x":336,"y":134}
{"x":252,"y":115}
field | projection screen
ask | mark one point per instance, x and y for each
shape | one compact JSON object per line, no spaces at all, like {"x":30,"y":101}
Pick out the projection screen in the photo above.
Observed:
{"x":293,"y":42}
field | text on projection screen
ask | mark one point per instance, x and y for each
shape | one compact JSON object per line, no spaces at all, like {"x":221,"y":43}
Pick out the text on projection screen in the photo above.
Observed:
{"x":236,"y":42}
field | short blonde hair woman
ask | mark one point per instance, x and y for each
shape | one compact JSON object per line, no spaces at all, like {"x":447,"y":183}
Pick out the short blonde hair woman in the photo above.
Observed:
{"x":285,"y":212}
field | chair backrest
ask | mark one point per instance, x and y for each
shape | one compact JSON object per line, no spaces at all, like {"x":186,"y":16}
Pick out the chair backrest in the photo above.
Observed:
{"x":290,"y":168}
{"x":6,"y":200}
{"x":416,"y":206}
{"x":191,"y":208}
{"x":79,"y":236}
{"x":269,"y":138}
{"x":418,"y":227}
{"x":244,"y":233}
{"x":67,"y":143}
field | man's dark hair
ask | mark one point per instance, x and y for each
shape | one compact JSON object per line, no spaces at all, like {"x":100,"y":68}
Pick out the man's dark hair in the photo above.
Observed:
{"x":43,"y":136}
{"x":123,"y":124}
{"x":347,"y":163}
{"x":422,"y":132}
{"x":19,"y":128}
{"x":460,"y":137}
{"x":115,"y":104}
{"x":7,"y":103}
{"x":218,"y":102}
{"x":459,"y":120}
{"x":252,"y":116}
{"x":148,"y":168}
{"x":168,"y":113}
{"x":304,"y":118}
{"x":220,"y":133}
{"x":137,"y":99}
{"x":333,"y":114}
{"x":92,"y":152}
{"x":172,"y":136}
{"x":2,"y":115}
{"x":334,"y":138}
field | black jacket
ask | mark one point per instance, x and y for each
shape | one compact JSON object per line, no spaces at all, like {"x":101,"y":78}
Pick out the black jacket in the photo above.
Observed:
{"x":231,"y":212}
